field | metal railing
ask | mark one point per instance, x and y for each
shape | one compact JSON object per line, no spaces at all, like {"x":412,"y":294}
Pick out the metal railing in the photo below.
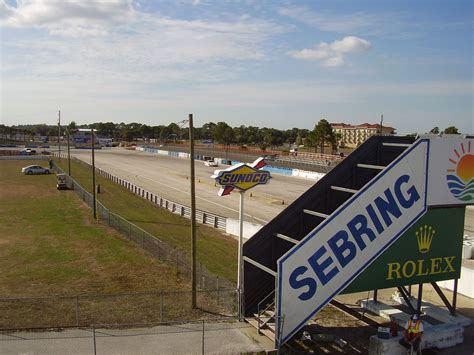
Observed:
{"x":115,"y":309}
{"x":148,"y":242}
{"x":203,"y":217}
{"x":183,"y":337}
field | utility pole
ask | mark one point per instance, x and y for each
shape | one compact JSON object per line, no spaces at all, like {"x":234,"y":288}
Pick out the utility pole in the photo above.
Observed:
{"x":381,"y":121}
{"x":193,"y":214}
{"x":68,"y":154}
{"x":59,"y":133}
{"x":93,"y":174}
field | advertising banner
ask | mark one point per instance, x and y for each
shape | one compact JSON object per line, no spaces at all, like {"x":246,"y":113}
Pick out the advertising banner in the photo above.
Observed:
{"x":451,"y":171}
{"x":429,"y":251}
{"x":341,"y":247}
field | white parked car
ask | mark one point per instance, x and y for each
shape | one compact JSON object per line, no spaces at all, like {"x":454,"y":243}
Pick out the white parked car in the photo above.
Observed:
{"x":34,"y":169}
{"x":210,"y":163}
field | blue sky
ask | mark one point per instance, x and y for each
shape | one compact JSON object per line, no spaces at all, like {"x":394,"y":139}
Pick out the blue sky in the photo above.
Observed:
{"x":278,"y":64}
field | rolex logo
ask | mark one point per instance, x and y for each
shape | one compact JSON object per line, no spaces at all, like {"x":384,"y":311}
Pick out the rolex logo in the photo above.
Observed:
{"x":424,"y":236}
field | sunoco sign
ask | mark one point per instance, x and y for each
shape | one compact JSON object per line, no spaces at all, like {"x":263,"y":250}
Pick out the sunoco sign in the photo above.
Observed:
{"x":242,"y":177}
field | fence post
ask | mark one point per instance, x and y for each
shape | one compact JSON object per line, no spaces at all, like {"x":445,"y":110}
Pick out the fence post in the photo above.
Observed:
{"x":77,"y":310}
{"x":203,"y":337}
{"x":182,"y":211}
{"x":161,"y":307}
{"x":217,"y":287}
{"x":93,"y":334}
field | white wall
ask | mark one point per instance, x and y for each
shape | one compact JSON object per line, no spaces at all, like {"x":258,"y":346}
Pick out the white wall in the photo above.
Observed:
{"x":232,"y":227}
{"x":465,"y":284}
{"x":311,"y":175}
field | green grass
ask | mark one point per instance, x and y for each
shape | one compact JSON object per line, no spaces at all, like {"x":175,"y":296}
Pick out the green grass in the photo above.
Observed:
{"x":49,"y":244}
{"x":216,"y":251}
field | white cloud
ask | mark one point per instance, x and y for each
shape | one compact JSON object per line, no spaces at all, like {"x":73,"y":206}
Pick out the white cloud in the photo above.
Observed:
{"x":139,"y":47}
{"x":68,"y":18}
{"x":350,"y":44}
{"x":332,"y":54}
{"x":329,"y":22}
{"x":362,"y":23}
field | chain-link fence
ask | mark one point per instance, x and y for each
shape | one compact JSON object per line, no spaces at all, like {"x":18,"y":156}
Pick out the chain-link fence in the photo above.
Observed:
{"x":203,"y":217}
{"x":150,"y":243}
{"x":214,"y":297}
{"x":204,"y":336}
{"x":115,"y":309}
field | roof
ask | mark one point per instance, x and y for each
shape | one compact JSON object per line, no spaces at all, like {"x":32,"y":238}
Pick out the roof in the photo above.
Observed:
{"x":363,"y":125}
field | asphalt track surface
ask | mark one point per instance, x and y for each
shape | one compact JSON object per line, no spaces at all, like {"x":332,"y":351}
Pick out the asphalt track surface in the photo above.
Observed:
{"x":168,"y":177}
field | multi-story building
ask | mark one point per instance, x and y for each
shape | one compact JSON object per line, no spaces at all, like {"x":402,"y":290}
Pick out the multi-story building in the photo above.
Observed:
{"x":353,"y":135}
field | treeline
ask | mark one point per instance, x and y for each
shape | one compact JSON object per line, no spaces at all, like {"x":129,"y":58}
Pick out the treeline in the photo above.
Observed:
{"x":219,"y":132}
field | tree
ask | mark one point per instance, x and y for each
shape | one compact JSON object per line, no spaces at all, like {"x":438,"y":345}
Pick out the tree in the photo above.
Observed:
{"x":323,"y":133}
{"x":223,"y":133}
{"x":72,"y":127}
{"x":451,"y":130}
{"x":435,"y":130}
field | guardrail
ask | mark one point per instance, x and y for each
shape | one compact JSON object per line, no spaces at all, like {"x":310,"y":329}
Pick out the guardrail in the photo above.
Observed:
{"x":203,"y":217}
{"x":148,"y":242}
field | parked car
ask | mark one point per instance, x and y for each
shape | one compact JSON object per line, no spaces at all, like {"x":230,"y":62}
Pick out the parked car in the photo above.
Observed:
{"x":210,"y":163}
{"x":34,"y":169}
{"x":270,"y":157}
{"x":61,"y":183}
{"x":27,"y":151}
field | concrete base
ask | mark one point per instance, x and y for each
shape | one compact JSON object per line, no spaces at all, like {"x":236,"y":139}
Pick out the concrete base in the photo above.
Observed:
{"x":390,"y":346}
{"x":436,"y":312}
{"x":435,"y":336}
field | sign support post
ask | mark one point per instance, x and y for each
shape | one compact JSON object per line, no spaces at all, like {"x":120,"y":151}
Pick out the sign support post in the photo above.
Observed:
{"x":243,"y":177}
{"x":240,"y":266}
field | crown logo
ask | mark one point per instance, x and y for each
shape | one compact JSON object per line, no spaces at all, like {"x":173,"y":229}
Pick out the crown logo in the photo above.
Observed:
{"x":424,"y":237}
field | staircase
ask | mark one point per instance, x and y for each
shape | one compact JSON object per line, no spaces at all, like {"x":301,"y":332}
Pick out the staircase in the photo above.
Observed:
{"x":286,"y":230}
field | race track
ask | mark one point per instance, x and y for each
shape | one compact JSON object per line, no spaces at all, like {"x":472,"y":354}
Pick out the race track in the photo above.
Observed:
{"x":168,"y":177}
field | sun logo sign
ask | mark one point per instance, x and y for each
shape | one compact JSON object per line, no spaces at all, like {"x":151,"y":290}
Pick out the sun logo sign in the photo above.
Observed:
{"x":460,"y":178}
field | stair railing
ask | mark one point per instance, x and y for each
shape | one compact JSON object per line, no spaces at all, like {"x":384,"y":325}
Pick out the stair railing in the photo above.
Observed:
{"x":267,"y":307}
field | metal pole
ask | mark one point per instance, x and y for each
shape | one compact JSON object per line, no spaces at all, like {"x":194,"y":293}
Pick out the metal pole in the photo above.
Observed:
{"x":77,"y":310}
{"x":93,"y":174}
{"x":95,"y":346}
{"x":68,"y":154}
{"x":455,"y":296}
{"x":203,"y":337}
{"x":381,"y":122}
{"x":420,"y":295}
{"x":59,"y":134}
{"x":193,"y":214}
{"x":240,"y":285}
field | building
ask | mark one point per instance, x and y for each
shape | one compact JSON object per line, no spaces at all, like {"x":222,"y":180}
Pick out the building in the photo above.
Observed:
{"x":354,"y":135}
{"x":82,"y":138}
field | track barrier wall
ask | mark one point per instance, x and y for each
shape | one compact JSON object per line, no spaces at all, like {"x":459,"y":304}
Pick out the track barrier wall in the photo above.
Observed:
{"x":202,"y":217}
{"x":287,"y":171}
